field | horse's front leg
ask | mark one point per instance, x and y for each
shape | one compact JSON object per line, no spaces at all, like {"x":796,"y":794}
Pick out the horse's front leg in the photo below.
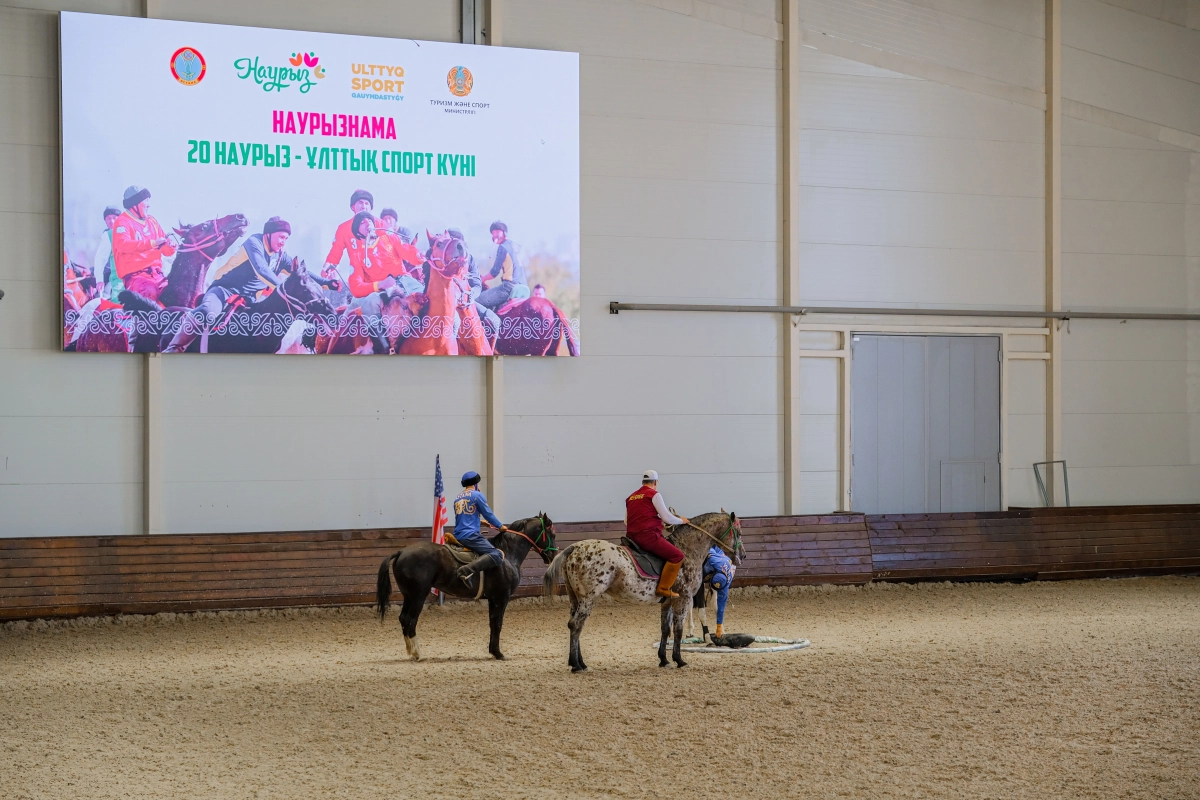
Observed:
{"x":666,"y":630}
{"x":678,"y":626}
{"x":496,"y":607}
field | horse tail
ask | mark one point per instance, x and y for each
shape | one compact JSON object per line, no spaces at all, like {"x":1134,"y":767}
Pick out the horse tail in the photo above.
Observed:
{"x":554,"y":572}
{"x":572,"y":344}
{"x":383,"y":586}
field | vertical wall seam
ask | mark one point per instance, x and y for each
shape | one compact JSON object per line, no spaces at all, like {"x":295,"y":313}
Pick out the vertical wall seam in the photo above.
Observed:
{"x":790,"y":265}
{"x":1053,"y":264}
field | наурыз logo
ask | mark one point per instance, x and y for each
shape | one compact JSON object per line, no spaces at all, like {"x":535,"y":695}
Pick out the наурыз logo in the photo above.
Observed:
{"x":188,"y":66}
{"x":459,"y":81}
{"x":300,"y":70}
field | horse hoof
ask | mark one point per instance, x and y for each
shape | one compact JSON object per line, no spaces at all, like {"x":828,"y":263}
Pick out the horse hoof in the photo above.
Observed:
{"x":681,"y":664}
{"x":664,"y":663}
{"x":578,"y":669}
{"x":499,"y":656}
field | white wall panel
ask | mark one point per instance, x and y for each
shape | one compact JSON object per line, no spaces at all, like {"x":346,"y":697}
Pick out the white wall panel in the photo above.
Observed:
{"x":820,"y":492}
{"x":1124,"y":486}
{"x":633,"y":87}
{"x":1130,"y":440}
{"x":568,"y":445}
{"x":70,"y":427}
{"x":623,"y":385}
{"x":945,"y":34}
{"x":668,"y":267}
{"x":919,"y":276}
{"x":662,"y":148}
{"x":434,"y":20}
{"x":690,"y":494}
{"x":1105,"y":29}
{"x":629,"y":29}
{"x":683,"y":334}
{"x":1131,"y":90}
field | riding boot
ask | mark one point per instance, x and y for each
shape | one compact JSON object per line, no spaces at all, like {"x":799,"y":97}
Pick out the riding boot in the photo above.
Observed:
{"x":466,"y":571}
{"x":380,"y":344}
{"x":665,"y":581}
{"x":182,"y":340}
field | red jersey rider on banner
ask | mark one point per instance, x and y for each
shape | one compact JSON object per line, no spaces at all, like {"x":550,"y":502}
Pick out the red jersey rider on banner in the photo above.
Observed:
{"x":139,"y":244}
{"x":645,"y":513}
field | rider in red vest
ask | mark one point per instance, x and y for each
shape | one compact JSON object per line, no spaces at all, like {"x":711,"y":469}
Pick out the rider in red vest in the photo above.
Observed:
{"x":645,"y":513}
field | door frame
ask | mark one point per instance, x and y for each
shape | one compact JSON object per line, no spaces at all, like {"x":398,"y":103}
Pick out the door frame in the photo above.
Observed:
{"x":842,"y":353}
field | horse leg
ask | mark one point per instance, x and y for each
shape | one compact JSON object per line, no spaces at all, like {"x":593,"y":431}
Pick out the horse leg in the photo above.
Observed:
{"x":666,"y":629}
{"x":410,"y":612}
{"x":691,"y":614}
{"x":496,"y":606}
{"x":580,"y":611}
{"x":678,"y":625}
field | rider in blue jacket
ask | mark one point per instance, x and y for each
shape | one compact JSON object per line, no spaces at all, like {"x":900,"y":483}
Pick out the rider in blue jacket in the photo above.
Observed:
{"x":468,"y":508}
{"x":718,"y":570}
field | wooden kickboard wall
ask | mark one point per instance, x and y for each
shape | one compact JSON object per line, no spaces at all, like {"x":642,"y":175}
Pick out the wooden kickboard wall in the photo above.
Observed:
{"x":74,"y":576}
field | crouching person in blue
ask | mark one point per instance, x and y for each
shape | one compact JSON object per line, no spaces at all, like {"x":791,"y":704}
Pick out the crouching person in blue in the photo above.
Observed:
{"x":718,"y":572}
{"x":468,"y":508}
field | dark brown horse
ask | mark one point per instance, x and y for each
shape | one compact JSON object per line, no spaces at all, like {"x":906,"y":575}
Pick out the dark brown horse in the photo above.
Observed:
{"x":533,"y":327}
{"x":424,"y":566}
{"x":200,"y":245}
{"x":261,"y":327}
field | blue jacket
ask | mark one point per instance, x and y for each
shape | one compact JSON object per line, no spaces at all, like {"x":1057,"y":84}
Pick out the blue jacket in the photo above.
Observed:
{"x":716,"y":562}
{"x":468,"y":508}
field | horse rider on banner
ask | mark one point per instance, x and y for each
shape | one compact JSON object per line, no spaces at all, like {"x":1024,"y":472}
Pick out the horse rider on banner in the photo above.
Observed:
{"x":256,"y":270}
{"x":490,"y":321}
{"x":507,"y":267}
{"x":718,"y":571}
{"x":468,"y":508}
{"x":344,"y":240}
{"x":139,"y":245}
{"x":103,"y":266}
{"x":645,"y":513}
{"x":382,"y":266}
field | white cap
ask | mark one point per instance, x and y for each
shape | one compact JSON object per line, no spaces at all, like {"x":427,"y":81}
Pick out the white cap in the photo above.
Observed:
{"x":649,"y":475}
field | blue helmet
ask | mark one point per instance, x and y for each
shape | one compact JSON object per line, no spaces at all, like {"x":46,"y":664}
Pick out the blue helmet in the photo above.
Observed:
{"x":470,"y":478}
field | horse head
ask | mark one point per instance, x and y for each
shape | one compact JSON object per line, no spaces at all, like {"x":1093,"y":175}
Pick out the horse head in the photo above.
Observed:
{"x":446,"y":254}
{"x":735,"y":531}
{"x":213,"y":237}
{"x":300,"y":287}
{"x":538,"y":531}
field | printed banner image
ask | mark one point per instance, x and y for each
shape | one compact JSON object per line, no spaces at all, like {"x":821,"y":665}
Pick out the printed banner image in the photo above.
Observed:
{"x":246,"y":190}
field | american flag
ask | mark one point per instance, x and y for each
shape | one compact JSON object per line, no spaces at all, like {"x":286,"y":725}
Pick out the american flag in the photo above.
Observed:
{"x":440,"y":515}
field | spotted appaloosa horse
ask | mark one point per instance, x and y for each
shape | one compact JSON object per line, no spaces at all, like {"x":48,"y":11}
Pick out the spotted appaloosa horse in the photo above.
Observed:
{"x":595,"y":567}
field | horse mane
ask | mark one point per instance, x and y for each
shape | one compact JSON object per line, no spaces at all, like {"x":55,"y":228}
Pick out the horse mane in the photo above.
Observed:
{"x":137,"y":302}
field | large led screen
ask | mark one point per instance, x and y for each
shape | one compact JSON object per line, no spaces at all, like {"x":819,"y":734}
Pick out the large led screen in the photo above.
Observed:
{"x":247,"y":190}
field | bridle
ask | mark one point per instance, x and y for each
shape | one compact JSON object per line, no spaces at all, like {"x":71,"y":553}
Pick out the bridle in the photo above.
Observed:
{"x":731,"y":549}
{"x":207,"y":241}
{"x":542,"y":544}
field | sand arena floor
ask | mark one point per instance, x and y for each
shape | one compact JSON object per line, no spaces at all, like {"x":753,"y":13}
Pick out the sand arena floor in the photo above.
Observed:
{"x":1080,"y":689}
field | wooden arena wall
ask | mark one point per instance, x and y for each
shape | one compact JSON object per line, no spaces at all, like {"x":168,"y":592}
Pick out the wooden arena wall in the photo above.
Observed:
{"x":72,"y":576}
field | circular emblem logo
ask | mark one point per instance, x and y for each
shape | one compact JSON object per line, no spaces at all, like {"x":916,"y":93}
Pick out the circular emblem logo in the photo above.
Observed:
{"x":459,"y":81}
{"x":188,"y":66}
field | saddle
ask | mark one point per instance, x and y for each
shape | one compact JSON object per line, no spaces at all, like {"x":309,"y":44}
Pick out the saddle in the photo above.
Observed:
{"x":461,"y":554}
{"x":647,"y":564}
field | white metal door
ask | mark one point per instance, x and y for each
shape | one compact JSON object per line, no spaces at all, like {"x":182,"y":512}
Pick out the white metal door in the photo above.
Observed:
{"x":925,"y":423}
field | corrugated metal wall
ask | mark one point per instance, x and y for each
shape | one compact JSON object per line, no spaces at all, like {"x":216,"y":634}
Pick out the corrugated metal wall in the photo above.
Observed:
{"x":923,"y":183}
